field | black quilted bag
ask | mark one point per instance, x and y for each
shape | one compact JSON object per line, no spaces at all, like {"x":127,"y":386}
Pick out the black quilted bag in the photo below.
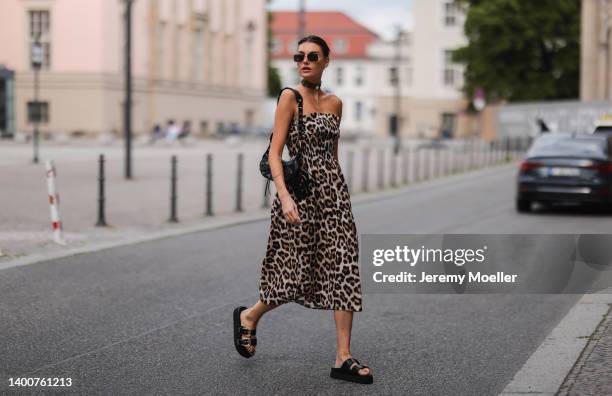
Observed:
{"x":296,"y":177}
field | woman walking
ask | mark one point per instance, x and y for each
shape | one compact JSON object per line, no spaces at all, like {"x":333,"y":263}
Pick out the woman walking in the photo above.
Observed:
{"x":312,"y":251}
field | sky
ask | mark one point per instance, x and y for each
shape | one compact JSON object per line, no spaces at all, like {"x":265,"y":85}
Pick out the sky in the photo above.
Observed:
{"x":380,"y":16}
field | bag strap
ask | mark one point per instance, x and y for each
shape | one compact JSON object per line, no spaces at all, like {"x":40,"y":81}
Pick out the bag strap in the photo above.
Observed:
{"x":299,"y":99}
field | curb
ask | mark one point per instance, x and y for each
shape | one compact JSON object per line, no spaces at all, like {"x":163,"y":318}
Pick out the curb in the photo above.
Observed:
{"x":244,"y":219}
{"x":548,"y":366}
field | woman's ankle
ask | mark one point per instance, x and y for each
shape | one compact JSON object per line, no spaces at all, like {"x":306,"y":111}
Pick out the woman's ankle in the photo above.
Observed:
{"x":249,"y":317}
{"x":342,"y":356}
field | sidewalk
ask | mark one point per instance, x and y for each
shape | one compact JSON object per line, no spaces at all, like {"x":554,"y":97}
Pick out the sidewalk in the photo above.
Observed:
{"x":575,"y":357}
{"x":141,"y":206}
{"x":592,"y":373}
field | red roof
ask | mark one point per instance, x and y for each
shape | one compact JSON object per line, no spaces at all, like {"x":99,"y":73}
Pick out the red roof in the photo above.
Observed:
{"x":332,"y":26}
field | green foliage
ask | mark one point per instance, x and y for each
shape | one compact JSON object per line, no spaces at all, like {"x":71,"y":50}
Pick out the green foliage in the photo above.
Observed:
{"x":521,"y":50}
{"x":274,"y":80}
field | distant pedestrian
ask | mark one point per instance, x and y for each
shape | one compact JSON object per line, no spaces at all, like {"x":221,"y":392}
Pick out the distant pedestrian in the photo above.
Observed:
{"x":185,"y":131}
{"x":156,"y":134}
{"x":172,"y":131}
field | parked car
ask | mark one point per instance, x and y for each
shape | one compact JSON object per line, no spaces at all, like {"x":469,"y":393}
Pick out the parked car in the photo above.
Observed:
{"x":562,"y":167}
{"x":604,"y":124}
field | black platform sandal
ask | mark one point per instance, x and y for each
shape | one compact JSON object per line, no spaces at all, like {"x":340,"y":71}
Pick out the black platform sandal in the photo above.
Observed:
{"x":348,"y":373}
{"x":239,"y":342}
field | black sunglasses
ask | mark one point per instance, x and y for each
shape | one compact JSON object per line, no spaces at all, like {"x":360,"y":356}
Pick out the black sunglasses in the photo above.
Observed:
{"x":312,"y":56}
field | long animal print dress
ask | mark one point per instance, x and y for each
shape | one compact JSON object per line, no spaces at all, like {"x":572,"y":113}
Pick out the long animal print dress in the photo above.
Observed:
{"x":314,"y":263}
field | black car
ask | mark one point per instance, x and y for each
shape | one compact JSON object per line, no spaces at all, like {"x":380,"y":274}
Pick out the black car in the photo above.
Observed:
{"x":561,"y":167}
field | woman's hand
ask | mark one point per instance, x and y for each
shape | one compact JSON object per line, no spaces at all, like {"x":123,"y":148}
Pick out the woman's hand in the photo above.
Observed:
{"x":290,"y":210}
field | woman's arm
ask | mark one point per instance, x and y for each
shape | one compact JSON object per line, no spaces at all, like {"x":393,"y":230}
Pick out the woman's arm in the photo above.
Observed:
{"x":282,"y":119}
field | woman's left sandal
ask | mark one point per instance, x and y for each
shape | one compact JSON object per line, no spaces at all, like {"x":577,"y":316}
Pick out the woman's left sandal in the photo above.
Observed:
{"x":349,"y":371}
{"x":242,"y":344}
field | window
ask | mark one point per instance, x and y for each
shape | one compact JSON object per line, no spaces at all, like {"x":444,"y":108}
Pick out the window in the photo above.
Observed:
{"x":161,"y":45}
{"x":296,"y":77}
{"x":277,"y":46}
{"x":40,"y":26}
{"x":452,"y":72}
{"x":293,"y":44}
{"x":358,"y":110}
{"x":451,"y":14}
{"x":359,"y":75}
{"x":198,"y":54}
{"x":393,"y":75}
{"x":448,"y":125}
{"x":339,"y":76}
{"x":340,"y":46}
{"x":220,"y":127}
{"x":408,"y":76}
{"x":204,"y":127}
{"x":38,"y":113}
{"x":176,"y":51}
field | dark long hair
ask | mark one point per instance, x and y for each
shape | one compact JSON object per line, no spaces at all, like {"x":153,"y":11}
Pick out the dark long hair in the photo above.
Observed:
{"x":317,"y":40}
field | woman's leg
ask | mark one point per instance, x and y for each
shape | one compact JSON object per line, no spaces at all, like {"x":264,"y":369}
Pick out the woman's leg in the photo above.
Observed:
{"x":250,"y":316}
{"x":344,"y":324}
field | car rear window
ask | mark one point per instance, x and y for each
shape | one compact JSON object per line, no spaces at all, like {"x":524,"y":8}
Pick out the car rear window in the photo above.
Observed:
{"x":569,"y":147}
{"x":603,"y":129}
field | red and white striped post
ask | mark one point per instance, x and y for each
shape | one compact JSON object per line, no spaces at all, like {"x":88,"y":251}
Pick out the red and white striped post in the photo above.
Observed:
{"x":54,"y":203}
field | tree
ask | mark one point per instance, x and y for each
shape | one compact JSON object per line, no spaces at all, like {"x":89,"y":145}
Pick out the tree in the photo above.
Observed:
{"x":274,"y":80}
{"x":521,"y":50}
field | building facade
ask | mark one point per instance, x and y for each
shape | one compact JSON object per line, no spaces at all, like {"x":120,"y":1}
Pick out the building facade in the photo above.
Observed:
{"x":596,"y":50}
{"x":436,"y":103}
{"x":202,"y":61}
{"x":349,"y":75}
{"x":408,"y":84}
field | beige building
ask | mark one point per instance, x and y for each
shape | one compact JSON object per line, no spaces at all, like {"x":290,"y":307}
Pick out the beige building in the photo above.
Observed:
{"x":596,"y":50}
{"x":202,"y":61}
{"x":436,"y":101}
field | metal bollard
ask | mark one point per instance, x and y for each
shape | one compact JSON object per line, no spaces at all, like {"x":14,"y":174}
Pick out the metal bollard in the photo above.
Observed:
{"x":101,"y":199}
{"x":381,"y":169}
{"x":393,"y":169}
{"x":173,"y":196}
{"x":349,"y":165}
{"x":417,"y":165}
{"x":436,"y":164}
{"x":54,"y":200}
{"x":429,"y":167}
{"x":266,"y":198}
{"x":443,"y":163}
{"x":405,"y":168}
{"x":239,"y":183}
{"x":209,"y":180}
{"x":366,"y":169}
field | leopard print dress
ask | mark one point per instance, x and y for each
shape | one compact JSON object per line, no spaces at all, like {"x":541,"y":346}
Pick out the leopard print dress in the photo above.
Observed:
{"x":314,"y":263}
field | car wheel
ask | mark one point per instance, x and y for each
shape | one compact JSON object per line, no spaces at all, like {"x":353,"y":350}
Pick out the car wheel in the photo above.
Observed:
{"x":523,"y":205}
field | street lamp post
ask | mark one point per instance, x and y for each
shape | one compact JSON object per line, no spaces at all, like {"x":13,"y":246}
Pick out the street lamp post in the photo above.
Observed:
{"x":127,"y":110}
{"x":302,"y":19}
{"x":37,"y":60}
{"x":398,"y":92}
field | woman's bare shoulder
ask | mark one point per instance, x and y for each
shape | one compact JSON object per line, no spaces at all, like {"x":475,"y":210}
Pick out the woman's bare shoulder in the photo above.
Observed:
{"x":335,"y":101}
{"x":287,"y":96}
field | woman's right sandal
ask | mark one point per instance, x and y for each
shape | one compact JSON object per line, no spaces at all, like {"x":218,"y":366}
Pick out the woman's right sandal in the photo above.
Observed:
{"x":349,"y":371}
{"x":244,"y":346}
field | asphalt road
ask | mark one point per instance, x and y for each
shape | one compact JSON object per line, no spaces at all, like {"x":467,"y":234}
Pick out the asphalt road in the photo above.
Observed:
{"x":155,"y":318}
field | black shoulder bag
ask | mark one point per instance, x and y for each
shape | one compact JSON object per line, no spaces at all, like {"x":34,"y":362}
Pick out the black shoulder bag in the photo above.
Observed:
{"x":296,"y":177}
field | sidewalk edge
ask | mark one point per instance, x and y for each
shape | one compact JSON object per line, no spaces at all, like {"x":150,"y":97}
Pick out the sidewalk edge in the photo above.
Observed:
{"x":548,"y":366}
